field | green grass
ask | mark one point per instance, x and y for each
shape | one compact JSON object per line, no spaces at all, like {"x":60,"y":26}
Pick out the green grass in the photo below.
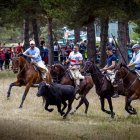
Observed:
{"x":7,"y":74}
{"x":34,"y":123}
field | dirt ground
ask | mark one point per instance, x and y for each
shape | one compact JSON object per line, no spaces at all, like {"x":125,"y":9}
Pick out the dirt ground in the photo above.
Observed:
{"x":32,"y":122}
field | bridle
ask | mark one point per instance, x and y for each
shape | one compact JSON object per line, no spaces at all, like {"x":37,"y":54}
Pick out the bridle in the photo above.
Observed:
{"x":17,"y":68}
{"x":131,"y":83}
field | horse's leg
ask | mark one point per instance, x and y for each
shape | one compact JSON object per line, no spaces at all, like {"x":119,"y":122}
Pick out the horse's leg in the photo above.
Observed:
{"x":17,"y":83}
{"x":128,"y":101}
{"x":65,"y":105}
{"x":86,"y":104}
{"x":110,"y":106}
{"x":46,"y":107}
{"x":102,"y":100}
{"x":69,"y":108}
{"x":80,"y":103}
{"x":25,"y":94}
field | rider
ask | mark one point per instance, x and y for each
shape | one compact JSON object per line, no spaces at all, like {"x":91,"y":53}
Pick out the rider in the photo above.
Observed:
{"x":75,"y":58}
{"x":111,"y":62}
{"x":34,"y":53}
{"x":135,"y":61}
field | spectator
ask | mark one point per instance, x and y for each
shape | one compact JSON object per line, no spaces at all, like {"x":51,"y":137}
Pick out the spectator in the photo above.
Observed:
{"x":68,"y":49}
{"x":45,"y":55}
{"x":2,"y":59}
{"x":7,"y":59}
{"x":18,"y":48}
{"x":56,"y":51}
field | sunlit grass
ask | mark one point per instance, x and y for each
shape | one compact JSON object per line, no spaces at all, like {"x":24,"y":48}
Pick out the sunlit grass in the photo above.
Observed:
{"x":33,"y":122}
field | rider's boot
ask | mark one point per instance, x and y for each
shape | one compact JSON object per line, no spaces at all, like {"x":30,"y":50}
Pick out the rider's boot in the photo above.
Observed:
{"x":115,"y":95}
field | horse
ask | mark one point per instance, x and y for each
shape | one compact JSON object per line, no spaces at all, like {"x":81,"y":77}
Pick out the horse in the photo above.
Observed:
{"x":27,"y":76}
{"x":62,"y":76}
{"x":131,"y":85}
{"x":104,"y":88}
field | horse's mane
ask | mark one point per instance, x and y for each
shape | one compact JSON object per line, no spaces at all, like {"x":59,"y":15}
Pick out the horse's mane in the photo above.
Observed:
{"x":60,"y":66}
{"x":125,"y":66}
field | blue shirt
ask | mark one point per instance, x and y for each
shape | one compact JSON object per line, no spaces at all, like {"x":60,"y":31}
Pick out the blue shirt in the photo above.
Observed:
{"x":110,"y":59}
{"x":136,"y":59}
{"x":35,"y":53}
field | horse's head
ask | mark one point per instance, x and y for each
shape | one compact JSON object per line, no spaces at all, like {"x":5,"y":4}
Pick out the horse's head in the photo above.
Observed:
{"x":15,"y":64}
{"x":121,"y":71}
{"x":88,"y":67}
{"x":57,"y":69}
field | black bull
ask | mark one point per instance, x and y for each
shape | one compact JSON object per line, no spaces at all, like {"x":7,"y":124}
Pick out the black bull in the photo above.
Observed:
{"x":57,"y":94}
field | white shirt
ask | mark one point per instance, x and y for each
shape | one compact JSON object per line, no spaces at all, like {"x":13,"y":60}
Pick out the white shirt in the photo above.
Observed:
{"x":75,"y":58}
{"x":136,"y":59}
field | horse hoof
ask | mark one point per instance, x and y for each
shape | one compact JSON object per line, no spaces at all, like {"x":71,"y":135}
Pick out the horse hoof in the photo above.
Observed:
{"x":72,"y":113}
{"x":64,"y":117}
{"x":8,"y":98}
{"x":20,"y":107}
{"x":50,"y":110}
{"x":62,"y":113}
{"x":113,"y":115}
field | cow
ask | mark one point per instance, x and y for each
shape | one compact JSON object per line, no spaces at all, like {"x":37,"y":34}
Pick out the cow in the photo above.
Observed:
{"x":57,"y":94}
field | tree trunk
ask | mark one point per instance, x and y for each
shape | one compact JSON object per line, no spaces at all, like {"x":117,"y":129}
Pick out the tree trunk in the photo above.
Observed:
{"x":26,"y":33}
{"x":50,"y":42}
{"x":91,"y":46}
{"x":104,"y":39}
{"x":35,"y":32}
{"x":122,"y":54}
{"x":127,"y":33}
{"x":77,"y":35}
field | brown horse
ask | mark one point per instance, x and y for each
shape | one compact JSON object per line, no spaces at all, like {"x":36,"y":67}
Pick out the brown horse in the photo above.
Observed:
{"x":27,"y":76}
{"x":131,"y":85}
{"x":103,"y":87}
{"x":62,"y":76}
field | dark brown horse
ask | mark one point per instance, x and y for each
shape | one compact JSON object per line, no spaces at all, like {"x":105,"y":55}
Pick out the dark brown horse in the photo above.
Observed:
{"x":131,"y":85}
{"x":26,"y":76}
{"x":104,"y":87}
{"x":62,"y":76}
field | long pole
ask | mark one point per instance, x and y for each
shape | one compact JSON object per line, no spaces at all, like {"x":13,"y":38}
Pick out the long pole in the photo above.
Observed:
{"x":118,"y":48}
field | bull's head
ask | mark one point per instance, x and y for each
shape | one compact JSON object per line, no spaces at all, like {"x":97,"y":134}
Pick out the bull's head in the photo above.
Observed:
{"x":42,"y":89}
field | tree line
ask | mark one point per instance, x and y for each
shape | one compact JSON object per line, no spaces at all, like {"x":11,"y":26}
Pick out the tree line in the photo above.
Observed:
{"x":76,"y":14}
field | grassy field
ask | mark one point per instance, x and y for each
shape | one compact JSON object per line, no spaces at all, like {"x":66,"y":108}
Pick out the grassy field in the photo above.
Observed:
{"x":34,"y":123}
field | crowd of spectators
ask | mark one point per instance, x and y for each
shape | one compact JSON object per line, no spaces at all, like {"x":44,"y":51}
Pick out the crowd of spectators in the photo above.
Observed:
{"x":6,"y":53}
{"x":61,"y":52}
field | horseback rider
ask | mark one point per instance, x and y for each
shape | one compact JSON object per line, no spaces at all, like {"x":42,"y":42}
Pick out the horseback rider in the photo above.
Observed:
{"x":111,"y":62}
{"x":75,"y":58}
{"x":34,"y":53}
{"x":135,"y":61}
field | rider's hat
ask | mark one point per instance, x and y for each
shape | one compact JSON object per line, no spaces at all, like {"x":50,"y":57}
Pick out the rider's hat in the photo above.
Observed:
{"x":135,"y":46}
{"x":32,"y":42}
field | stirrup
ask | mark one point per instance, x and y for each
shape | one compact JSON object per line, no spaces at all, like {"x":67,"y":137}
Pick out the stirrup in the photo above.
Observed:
{"x":115,"y":95}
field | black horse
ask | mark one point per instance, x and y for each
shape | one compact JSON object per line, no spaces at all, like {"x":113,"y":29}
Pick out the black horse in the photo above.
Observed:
{"x":103,"y":87}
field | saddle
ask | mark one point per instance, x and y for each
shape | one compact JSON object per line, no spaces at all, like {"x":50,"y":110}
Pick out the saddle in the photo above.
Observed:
{"x":108,"y":75}
{"x":37,"y":69}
